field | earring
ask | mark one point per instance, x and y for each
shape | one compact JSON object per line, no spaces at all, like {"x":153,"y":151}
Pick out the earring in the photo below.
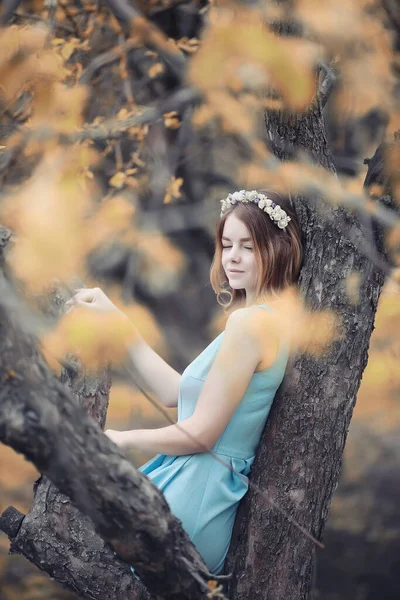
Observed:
{"x":220,"y":296}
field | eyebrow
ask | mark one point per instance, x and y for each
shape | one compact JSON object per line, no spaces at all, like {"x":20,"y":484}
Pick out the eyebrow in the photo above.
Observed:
{"x":241,"y":240}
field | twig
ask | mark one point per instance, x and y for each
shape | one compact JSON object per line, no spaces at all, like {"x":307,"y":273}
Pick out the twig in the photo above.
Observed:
{"x":57,"y":25}
{"x":71,"y":19}
{"x":107,"y":58}
{"x":113,"y":128}
{"x":131,"y":20}
{"x":124,"y":73}
{"x":51,"y":6}
{"x":154,"y":10}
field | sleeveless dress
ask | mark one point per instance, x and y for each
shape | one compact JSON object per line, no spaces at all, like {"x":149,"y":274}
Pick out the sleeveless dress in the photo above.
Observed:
{"x":201,"y":492}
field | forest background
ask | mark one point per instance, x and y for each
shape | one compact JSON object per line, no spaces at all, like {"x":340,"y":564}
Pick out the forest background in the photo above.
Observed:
{"x":148,"y":261}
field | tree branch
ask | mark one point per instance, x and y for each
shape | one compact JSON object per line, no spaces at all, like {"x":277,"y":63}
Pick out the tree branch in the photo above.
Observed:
{"x":133,"y":22}
{"x":40,"y":418}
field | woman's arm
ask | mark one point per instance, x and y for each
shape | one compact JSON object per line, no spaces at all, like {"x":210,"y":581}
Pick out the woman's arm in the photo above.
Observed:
{"x":225,"y":385}
{"x":158,"y":376}
{"x":182,"y":438}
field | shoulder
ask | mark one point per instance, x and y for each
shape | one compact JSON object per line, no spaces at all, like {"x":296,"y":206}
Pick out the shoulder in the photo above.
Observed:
{"x":250,"y":320}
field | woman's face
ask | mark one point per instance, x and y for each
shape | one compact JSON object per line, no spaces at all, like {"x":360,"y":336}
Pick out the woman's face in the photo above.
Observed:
{"x":238,"y":255}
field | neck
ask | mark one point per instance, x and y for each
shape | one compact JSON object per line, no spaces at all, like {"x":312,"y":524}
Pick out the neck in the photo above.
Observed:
{"x":249,"y":298}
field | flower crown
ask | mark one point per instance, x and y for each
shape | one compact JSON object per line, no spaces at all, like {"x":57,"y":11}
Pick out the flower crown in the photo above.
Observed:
{"x":275,"y":212}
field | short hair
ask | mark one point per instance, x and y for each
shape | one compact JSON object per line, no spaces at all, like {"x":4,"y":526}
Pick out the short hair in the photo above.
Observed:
{"x":278,"y":252}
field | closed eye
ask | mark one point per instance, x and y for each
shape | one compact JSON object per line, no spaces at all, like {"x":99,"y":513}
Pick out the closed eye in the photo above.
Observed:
{"x":246,"y":247}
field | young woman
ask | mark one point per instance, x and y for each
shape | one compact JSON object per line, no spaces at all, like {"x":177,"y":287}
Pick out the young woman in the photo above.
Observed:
{"x":224,"y":396}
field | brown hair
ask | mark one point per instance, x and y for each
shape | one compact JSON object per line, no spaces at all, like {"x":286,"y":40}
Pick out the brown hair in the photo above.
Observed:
{"x":278,"y":252}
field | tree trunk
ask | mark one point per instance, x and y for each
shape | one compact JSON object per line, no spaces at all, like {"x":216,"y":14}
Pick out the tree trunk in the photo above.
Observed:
{"x":299,"y":458}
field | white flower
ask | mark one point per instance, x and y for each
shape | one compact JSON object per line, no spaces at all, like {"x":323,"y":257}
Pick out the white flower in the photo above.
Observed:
{"x":236,"y":196}
{"x":276,"y":213}
{"x":253,"y":195}
{"x":262,"y":203}
{"x":225,"y":205}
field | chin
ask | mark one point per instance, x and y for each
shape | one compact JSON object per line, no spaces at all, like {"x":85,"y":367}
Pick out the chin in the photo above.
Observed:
{"x":236,"y":286}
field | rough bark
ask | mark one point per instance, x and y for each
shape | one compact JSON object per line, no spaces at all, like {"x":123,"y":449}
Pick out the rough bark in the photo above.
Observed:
{"x":300,"y":453}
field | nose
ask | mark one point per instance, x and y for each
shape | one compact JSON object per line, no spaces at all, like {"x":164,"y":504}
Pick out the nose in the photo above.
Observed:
{"x":234,"y":254}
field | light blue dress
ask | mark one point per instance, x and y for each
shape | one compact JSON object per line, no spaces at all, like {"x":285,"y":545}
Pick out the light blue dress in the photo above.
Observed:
{"x":203,"y":493}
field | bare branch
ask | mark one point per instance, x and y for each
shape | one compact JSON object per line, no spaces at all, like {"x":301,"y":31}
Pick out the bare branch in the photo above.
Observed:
{"x":32,"y":17}
{"x":107,"y":58}
{"x":132,"y":21}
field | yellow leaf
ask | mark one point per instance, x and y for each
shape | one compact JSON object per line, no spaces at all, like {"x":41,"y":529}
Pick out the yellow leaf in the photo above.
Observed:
{"x":47,"y":208}
{"x":67,"y":50}
{"x":132,"y":183}
{"x":122,"y":113}
{"x":112,"y":219}
{"x":188,"y":45}
{"x":156,"y":70}
{"x":256,"y":46}
{"x":61,"y":108}
{"x":173,"y":189}
{"x":234,"y":116}
{"x":96,"y":338}
{"x":171,"y":120}
{"x":118,"y":180}
{"x":203,"y":115}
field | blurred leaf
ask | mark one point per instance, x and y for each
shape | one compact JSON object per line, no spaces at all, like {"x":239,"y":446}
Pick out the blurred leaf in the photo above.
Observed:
{"x":48,"y":215}
{"x":118,"y":179}
{"x":97,"y":338}
{"x":155,"y":70}
{"x":222,"y":45}
{"x":173,"y":189}
{"x":171,"y":120}
{"x":113,"y":217}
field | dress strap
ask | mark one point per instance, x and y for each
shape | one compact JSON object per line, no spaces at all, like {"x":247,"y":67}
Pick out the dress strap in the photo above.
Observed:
{"x":266,"y":306}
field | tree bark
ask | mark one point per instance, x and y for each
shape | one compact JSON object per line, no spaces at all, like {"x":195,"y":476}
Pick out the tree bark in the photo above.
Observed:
{"x":299,"y":458}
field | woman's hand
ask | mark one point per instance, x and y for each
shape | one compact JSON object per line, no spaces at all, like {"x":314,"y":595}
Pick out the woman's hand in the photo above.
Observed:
{"x":120,"y":438}
{"x":93,"y":298}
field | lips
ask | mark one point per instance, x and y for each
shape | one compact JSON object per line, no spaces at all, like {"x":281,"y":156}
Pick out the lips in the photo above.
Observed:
{"x":234,"y":271}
